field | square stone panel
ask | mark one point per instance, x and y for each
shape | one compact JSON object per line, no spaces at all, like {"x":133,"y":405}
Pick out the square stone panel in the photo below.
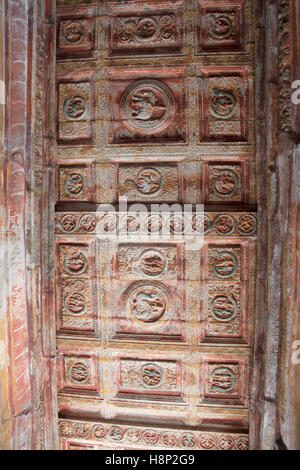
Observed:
{"x":221,"y":27}
{"x":226,"y":182}
{"x":78,"y":372}
{"x":148,"y":310}
{"x":150,"y":182}
{"x":75,"y":109}
{"x":224,"y":104}
{"x":74,"y":182}
{"x":147,"y":105}
{"x":75,"y":287}
{"x":157,"y":30}
{"x":75,"y":32}
{"x":224,"y":380}
{"x":149,"y":377}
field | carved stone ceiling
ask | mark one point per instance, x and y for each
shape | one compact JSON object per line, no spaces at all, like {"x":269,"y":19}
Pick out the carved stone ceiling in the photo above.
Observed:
{"x":155,"y":104}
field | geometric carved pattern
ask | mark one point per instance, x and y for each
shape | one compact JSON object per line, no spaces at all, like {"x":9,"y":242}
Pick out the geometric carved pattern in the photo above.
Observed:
{"x":137,"y":437}
{"x":75,"y":33}
{"x":221,"y":27}
{"x":158,"y":31}
{"x":223,"y":380}
{"x":148,"y":106}
{"x":149,"y":378}
{"x":224,"y":104}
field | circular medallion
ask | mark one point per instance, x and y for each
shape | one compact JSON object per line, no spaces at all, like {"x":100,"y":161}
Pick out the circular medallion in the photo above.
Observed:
{"x":222,"y":103}
{"x":78,"y":372}
{"x":225,"y":184}
{"x":87,"y":223}
{"x":133,"y":434}
{"x":224,"y":224}
{"x":222,"y":380}
{"x":242,"y":443}
{"x":226,"y":442}
{"x":247,"y":224}
{"x":201,"y":223}
{"x":147,"y":105}
{"x":98,"y":431}
{"x":207,"y":441}
{"x":176,"y":225}
{"x":225,"y":264}
{"x":146,"y":29}
{"x":75,"y":303}
{"x":154,"y":223}
{"x":224,"y":308}
{"x":152,"y":262}
{"x":147,"y":303}
{"x":75,"y":108}
{"x":74,"y":184}
{"x":73,"y":32}
{"x":68,"y":223}
{"x":149,"y":181}
{"x":116,"y":433}
{"x":169,"y":439}
{"x":75,"y":263}
{"x":82,"y":430}
{"x":150,"y":436}
{"x":65,"y":429}
{"x":188,"y":440}
{"x":151,"y":375}
{"x":220,"y":27}
{"x":109,"y":223}
{"x":131,"y":224}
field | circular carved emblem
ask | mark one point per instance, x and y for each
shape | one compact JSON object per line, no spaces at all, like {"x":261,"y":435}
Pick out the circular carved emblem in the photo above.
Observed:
{"x":98,"y":431}
{"x":242,"y":443}
{"x":74,"y":184}
{"x":116,"y":433}
{"x":151,"y":375}
{"x":223,"y":103}
{"x":146,"y":29}
{"x":220,"y":27}
{"x":147,"y":105}
{"x":75,"y":263}
{"x":68,"y":223}
{"x":149,"y":181}
{"x":188,"y":440}
{"x":224,"y":224}
{"x":225,"y":264}
{"x":222,"y":380}
{"x":79,"y":372}
{"x":75,"y":108}
{"x":65,"y":429}
{"x":131,"y":224}
{"x":226,"y":442}
{"x":87,"y":223}
{"x":73,"y":32}
{"x":147,"y":303}
{"x":207,"y":441}
{"x":75,"y":303}
{"x":225,"y":184}
{"x":133,"y":435}
{"x":201,"y":223}
{"x":247,"y":224}
{"x":154,"y":223}
{"x":152,"y":262}
{"x":109,"y":222}
{"x":176,"y":224}
{"x":169,"y":439}
{"x":224,"y":308}
{"x":82,"y":430}
{"x":150,"y":436}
